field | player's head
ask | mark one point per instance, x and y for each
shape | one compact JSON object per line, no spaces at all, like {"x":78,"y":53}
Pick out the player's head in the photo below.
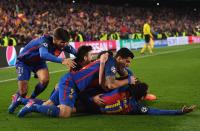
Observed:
{"x":103,"y":52}
{"x":139,"y":90}
{"x":124,"y":57}
{"x":149,"y":19}
{"x":60,"y":37}
{"x":84,"y":54}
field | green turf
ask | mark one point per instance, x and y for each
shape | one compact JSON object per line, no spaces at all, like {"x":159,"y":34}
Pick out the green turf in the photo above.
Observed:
{"x":173,"y":74}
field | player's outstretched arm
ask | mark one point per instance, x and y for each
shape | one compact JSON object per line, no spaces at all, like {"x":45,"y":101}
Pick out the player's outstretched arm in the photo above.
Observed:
{"x":153,"y":111}
{"x":44,"y":54}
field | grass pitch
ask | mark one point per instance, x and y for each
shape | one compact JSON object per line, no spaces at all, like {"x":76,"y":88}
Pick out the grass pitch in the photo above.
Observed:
{"x":173,"y":74}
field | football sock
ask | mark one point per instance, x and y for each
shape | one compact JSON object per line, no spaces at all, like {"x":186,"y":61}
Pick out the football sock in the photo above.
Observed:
{"x":39,"y":88}
{"x":24,"y":101}
{"x":48,"y":110}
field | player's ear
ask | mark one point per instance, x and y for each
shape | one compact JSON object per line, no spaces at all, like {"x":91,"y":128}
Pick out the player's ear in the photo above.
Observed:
{"x":55,"y":41}
{"x":119,"y":58}
{"x":85,"y":58}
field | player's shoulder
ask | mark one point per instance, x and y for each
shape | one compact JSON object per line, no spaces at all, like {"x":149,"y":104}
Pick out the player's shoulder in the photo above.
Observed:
{"x":46,"y":40}
{"x":146,"y":24}
{"x":111,"y":59}
{"x":92,"y":64}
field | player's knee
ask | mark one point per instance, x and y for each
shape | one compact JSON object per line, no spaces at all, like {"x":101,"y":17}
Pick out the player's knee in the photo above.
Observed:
{"x":44,"y":79}
{"x":65,"y":111}
{"x":48,"y":102}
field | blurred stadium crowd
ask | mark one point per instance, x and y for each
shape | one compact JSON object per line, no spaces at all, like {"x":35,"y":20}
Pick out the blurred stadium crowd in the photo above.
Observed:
{"x":21,"y":20}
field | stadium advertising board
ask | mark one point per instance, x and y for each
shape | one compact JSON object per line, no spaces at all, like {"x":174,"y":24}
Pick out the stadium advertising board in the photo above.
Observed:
{"x":194,"y":39}
{"x":11,"y":55}
{"x":97,"y":46}
{"x":8,"y":55}
{"x":3,"y":62}
{"x":173,"y":41}
{"x":160,"y":43}
{"x":132,"y":44}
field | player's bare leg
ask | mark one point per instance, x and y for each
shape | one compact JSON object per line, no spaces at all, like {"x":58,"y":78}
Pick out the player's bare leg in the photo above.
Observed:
{"x":150,"y":48}
{"x":143,"y":49}
{"x":23,"y":88}
{"x":43,"y":77}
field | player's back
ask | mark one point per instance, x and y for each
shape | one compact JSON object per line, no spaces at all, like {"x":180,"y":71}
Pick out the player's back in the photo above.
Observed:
{"x":87,"y":75}
{"x":120,"y":101}
{"x":117,"y":101}
{"x":31,"y":50}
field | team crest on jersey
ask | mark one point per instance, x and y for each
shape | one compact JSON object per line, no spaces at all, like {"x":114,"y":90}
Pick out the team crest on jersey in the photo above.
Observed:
{"x":144,"y":109}
{"x":45,"y":44}
{"x":71,"y":94}
{"x":113,"y":69}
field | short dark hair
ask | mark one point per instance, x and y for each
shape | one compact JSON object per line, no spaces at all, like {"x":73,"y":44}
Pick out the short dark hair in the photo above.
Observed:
{"x":124,"y":53}
{"x":82,"y":52}
{"x":103,"y":52}
{"x":139,"y":90}
{"x":61,"y":34}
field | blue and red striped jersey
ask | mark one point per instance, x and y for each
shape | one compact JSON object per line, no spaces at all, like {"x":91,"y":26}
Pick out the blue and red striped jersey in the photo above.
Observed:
{"x":31,"y":54}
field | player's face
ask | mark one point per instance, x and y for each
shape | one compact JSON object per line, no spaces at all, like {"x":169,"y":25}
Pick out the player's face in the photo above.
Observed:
{"x":149,"y":21}
{"x":60,"y":43}
{"x":124,"y":62}
{"x":128,"y":61}
{"x":89,"y":57}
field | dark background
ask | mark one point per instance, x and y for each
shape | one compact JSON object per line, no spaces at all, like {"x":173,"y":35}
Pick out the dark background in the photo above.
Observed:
{"x":172,"y":3}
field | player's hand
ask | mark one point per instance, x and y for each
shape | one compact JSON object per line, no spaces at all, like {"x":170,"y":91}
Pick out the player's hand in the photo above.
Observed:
{"x":97,"y":99}
{"x":188,"y":109}
{"x":104,"y":58}
{"x":69,"y":63}
{"x":133,"y":80}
